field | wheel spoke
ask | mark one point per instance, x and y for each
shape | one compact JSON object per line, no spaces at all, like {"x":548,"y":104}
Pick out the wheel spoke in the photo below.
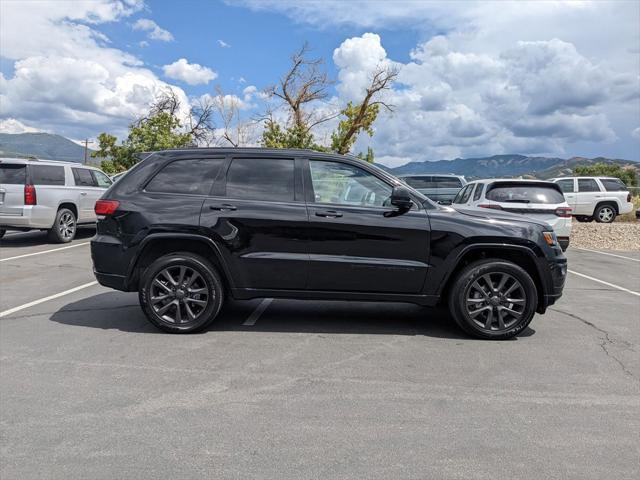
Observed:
{"x":477,"y":286}
{"x":503,"y":281}
{"x":157,"y":282}
{"x":513,"y":286}
{"x":475,"y":313}
{"x":516,"y":301}
{"x":194,"y":276}
{"x":197,"y":302}
{"x":511,"y":311}
{"x":489,"y":282}
{"x":167,"y":275}
{"x":181,"y":275}
{"x":166,"y":307}
{"x":489,"y":321}
{"x":197,"y":291}
{"x":190,"y":313}
{"x":500,"y":320}
{"x":475,"y":301}
{"x":160,"y":298}
{"x":178,"y":312}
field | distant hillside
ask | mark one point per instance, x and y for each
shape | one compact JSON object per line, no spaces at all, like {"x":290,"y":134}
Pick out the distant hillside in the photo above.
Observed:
{"x":41,"y":145}
{"x":507,"y":166}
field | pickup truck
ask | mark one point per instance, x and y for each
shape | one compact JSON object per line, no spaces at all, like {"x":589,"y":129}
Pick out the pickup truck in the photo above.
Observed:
{"x":596,"y":198}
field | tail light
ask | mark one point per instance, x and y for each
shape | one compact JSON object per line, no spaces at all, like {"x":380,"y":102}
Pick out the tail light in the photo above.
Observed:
{"x":490,"y":205}
{"x":30,"y":195}
{"x":564,"y":212}
{"x":106,"y":207}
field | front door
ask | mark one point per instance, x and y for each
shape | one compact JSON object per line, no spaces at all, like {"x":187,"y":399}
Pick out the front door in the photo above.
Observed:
{"x":258,"y":215}
{"x":357,"y":240}
{"x":587,"y":196}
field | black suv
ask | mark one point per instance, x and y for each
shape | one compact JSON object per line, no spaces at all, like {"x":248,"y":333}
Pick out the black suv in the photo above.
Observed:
{"x":187,"y":228}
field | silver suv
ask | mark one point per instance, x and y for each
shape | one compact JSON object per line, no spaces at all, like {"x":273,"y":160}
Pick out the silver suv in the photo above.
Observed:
{"x":49,"y":195}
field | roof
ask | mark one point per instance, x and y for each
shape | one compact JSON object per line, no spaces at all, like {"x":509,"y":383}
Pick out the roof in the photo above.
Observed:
{"x":404,"y":175}
{"x":251,"y":151}
{"x":511,"y":180}
{"x":39,"y":161}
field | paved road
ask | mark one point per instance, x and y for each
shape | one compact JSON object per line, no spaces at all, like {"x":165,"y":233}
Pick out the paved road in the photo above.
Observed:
{"x":313,"y":389}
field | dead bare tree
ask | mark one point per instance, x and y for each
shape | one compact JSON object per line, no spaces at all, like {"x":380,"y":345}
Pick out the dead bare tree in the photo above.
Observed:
{"x":304,"y":82}
{"x":228,"y":109}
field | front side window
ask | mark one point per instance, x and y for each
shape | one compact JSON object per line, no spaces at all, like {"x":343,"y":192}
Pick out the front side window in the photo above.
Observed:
{"x":46,"y":175}
{"x":587,"y":185}
{"x":464,"y":194}
{"x":193,"y":176}
{"x":342,"y":184}
{"x":614,"y":185}
{"x":101,"y":179}
{"x":266,"y":179}
{"x":566,"y":185}
{"x":83,"y":177}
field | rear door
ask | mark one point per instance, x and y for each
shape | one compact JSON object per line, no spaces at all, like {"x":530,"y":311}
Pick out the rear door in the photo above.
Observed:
{"x":568,"y":187}
{"x":13,"y":177}
{"x":587,"y":197}
{"x":258,"y":216}
{"x":87,"y":193}
{"x":357,"y":241}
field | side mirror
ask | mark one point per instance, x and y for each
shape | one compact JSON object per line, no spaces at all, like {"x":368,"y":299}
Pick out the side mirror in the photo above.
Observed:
{"x":401,"y":198}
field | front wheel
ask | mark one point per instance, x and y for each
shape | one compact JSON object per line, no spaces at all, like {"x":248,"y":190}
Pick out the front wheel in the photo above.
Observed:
{"x":181,"y":293}
{"x":605,"y":214}
{"x":64,"y":226}
{"x":493,"y":299}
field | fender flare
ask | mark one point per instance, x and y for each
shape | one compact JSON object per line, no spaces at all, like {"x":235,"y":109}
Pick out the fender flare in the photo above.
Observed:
{"x":153,"y":237}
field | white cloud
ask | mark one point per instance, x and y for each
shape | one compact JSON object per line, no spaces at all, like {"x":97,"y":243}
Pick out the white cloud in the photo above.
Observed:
{"x":223,"y":44}
{"x":11,"y":125}
{"x":191,"y":73}
{"x":66,"y":78}
{"x":635,"y":133}
{"x":154,"y":32}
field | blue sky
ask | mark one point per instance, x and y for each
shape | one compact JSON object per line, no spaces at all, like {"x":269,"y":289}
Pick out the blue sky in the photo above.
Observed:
{"x":476,"y":78}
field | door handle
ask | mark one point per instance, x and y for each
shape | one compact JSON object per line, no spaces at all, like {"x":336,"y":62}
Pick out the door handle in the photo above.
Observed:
{"x":83,"y":193}
{"x":223,"y":207}
{"x":328,"y":214}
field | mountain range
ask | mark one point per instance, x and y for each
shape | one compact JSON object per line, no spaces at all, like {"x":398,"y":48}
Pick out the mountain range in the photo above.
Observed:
{"x":56,"y":147}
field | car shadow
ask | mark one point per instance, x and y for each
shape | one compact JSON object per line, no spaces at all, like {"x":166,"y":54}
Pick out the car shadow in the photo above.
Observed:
{"x":37,"y":237}
{"x":120,"y":311}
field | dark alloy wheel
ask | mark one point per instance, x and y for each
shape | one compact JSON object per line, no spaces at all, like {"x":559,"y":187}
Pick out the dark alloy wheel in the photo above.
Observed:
{"x":64,"y":227}
{"x":181,"y":293}
{"x":493,"y":299}
{"x":605,"y":214}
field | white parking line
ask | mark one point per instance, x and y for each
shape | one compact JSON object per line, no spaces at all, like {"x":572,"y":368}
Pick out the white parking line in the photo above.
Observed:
{"x":255,"y":315}
{"x":43,"y":252}
{"x":637,"y":294}
{"x":607,"y":253}
{"x":46,"y":299}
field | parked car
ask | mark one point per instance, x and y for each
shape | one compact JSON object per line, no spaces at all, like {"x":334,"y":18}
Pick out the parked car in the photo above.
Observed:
{"x":534,"y":198}
{"x":49,"y":195}
{"x":189,"y":228}
{"x":439,"y":188}
{"x":596,"y":198}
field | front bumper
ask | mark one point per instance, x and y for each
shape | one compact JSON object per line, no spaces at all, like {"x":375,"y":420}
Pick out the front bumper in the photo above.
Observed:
{"x":555,"y":282}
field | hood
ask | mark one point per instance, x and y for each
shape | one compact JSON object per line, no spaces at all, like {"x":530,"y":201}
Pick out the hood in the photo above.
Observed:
{"x":488,"y":213}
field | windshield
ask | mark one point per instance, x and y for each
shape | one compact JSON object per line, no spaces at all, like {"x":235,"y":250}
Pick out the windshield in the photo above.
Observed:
{"x":433,"y":181}
{"x":525,"y":193}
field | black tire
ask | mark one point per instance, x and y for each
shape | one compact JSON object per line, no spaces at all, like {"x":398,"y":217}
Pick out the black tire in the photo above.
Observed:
{"x":470,"y":317}
{"x":584,"y":219}
{"x":179,"y":299}
{"x":64,"y":227}
{"x":605,"y":213}
{"x":2,"y":232}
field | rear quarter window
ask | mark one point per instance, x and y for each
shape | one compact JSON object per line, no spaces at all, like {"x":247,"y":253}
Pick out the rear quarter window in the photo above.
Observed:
{"x":193,"y":176}
{"x":46,"y":175}
{"x":13,"y":173}
{"x":614,"y":185}
{"x":524,"y":193}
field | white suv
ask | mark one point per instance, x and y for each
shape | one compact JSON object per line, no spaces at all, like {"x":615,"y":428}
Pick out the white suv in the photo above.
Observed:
{"x":49,"y":195}
{"x":596,"y":198}
{"x":532,"y":198}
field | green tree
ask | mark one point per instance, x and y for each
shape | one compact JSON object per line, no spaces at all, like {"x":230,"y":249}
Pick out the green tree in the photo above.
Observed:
{"x":601,"y":169}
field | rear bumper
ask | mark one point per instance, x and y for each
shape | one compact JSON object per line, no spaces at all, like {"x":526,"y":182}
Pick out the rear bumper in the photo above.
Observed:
{"x":626,"y":207}
{"x":110,"y":280}
{"x":36,"y":216}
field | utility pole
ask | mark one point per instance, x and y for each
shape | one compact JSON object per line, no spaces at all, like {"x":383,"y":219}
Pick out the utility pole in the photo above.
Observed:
{"x":86,"y":149}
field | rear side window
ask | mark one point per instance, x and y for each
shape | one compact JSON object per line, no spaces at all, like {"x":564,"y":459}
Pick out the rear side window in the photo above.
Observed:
{"x":46,"y":175}
{"x":524,"y":193}
{"x":83,"y":177}
{"x":267,"y":179}
{"x":478,"y":192}
{"x":13,"y":174}
{"x":418,"y":182}
{"x":447,"y":182}
{"x":566,"y":185}
{"x":194,"y":176}
{"x":614,"y":185}
{"x":428,"y":181}
{"x":587,"y":185}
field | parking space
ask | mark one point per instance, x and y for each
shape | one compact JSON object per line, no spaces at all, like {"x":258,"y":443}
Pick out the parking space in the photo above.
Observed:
{"x":301,"y":389}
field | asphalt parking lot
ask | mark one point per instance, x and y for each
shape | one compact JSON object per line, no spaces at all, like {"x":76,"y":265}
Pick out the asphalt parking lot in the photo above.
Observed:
{"x":294,"y":389}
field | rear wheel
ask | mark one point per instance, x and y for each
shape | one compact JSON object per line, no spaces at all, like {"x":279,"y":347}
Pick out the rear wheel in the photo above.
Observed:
{"x":584,"y":218}
{"x":493,"y":299}
{"x":181,"y":293}
{"x":64,"y":227}
{"x":605,"y":214}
